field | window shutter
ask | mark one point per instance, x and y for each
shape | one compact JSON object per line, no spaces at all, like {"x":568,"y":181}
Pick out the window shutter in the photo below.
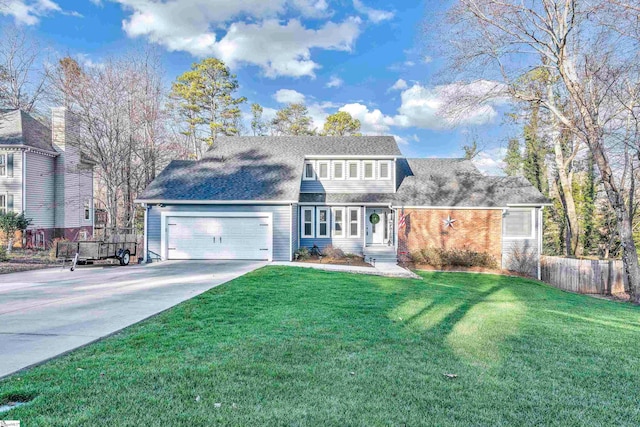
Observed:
{"x":10,"y":203}
{"x":10,"y":165}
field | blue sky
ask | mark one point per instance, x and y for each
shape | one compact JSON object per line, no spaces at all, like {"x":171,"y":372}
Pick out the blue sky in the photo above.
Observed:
{"x":362,"y":56}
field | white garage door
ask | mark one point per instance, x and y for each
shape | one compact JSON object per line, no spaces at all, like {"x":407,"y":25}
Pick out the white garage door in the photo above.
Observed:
{"x":225,"y":238}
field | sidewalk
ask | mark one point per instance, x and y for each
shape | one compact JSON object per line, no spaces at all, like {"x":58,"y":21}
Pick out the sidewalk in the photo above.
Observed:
{"x":387,"y":269}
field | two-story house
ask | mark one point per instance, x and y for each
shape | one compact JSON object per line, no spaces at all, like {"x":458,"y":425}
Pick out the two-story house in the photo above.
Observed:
{"x":264,"y":197}
{"x":45,"y":175}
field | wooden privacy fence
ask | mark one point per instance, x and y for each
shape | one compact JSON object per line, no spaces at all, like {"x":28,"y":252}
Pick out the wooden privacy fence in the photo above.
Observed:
{"x":584,"y":276}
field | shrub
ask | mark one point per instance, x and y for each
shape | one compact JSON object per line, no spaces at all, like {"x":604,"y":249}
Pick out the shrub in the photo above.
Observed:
{"x":3,"y":254}
{"x":523,"y":260}
{"x":333,"y":252}
{"x":438,"y":258}
{"x":302,"y":254}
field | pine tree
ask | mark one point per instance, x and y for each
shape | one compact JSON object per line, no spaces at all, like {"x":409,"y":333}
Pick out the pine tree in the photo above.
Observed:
{"x":513,"y":158}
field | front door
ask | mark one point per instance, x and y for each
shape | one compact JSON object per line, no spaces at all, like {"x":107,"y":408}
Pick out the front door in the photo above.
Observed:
{"x":377,"y":226}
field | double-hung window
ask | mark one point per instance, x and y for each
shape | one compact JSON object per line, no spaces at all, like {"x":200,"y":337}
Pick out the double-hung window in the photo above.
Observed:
{"x":338,"y":222}
{"x":323,"y":222}
{"x":3,"y":203}
{"x":384,"y":169}
{"x":353,"y":170}
{"x":307,"y":222}
{"x":338,"y":169}
{"x":87,"y":209}
{"x":369,"y":167}
{"x":322,"y":169}
{"x":354,"y":222}
{"x":518,"y":224}
{"x":309,"y":173}
{"x":3,"y":165}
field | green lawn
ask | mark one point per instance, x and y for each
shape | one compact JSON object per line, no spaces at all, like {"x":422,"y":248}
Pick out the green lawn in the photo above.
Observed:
{"x":289,"y":346}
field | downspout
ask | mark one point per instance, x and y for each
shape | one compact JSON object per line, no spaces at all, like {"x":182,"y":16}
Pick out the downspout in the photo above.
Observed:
{"x":146,"y":234}
{"x":24,"y":180}
{"x":291,"y":232}
{"x":540,"y":242}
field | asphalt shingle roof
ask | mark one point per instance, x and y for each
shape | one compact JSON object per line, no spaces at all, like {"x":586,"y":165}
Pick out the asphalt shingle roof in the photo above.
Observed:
{"x":270,"y":168}
{"x":20,"y":128}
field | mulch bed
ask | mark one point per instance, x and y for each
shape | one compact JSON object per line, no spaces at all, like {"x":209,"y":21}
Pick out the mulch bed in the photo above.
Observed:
{"x":350,"y":261}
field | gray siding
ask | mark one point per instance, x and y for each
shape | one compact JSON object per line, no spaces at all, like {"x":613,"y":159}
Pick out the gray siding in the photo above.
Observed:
{"x":350,"y":186}
{"x":40,"y":190}
{"x":348,"y":245}
{"x":526,"y":247}
{"x":281,"y":223}
{"x":13,"y":185}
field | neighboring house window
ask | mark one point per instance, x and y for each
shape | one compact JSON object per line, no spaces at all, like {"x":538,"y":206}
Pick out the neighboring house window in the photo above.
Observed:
{"x":323,"y":222}
{"x":3,"y":165}
{"x":353,"y":170}
{"x":384,"y":169}
{"x":338,"y":222}
{"x":338,"y":169}
{"x":38,"y":239}
{"x":354,"y":222}
{"x":307,"y":222}
{"x":369,"y":170}
{"x":3,"y":204}
{"x":323,"y":170}
{"x":309,"y":172}
{"x":518,"y":224}
{"x":87,"y":210}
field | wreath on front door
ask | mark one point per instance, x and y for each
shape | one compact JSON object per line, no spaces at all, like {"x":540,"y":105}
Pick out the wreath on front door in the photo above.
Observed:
{"x":374,"y":218}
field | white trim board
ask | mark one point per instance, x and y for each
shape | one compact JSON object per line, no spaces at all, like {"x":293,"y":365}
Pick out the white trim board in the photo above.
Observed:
{"x":165,"y":215}
{"x":214,"y":202}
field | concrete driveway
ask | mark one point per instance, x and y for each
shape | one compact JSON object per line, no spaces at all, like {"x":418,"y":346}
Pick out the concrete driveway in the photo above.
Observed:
{"x":45,"y":313}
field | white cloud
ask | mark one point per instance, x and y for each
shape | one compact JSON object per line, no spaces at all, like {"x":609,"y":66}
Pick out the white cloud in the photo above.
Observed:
{"x":374,"y":15}
{"x":29,"y":12}
{"x":216,"y":27}
{"x":399,"y":85}
{"x":372,"y":121}
{"x":289,"y":96}
{"x":449,"y":106}
{"x":334,"y":81}
{"x":491,"y":162}
{"x":427,"y":59}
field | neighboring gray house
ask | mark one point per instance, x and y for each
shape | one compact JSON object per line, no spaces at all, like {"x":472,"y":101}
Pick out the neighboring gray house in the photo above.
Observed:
{"x":264,"y":197}
{"x":44,"y":174}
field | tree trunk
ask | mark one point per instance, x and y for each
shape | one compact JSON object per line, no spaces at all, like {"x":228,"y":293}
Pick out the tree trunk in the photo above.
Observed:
{"x":573,"y":232}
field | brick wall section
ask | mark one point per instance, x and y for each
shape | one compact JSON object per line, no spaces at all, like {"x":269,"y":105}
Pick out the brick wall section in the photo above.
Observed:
{"x":478,"y":230}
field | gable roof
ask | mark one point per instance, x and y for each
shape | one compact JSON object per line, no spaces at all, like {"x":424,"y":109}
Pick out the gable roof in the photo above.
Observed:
{"x":264,"y":168}
{"x":18,"y":128}
{"x":458,"y":183}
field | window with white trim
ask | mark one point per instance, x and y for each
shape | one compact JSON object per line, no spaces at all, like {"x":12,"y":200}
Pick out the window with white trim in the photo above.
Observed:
{"x":3,"y":165}
{"x":518,"y":224}
{"x":384,"y":169}
{"x":87,"y":209}
{"x":307,"y":222}
{"x":369,"y":169}
{"x":323,"y":222}
{"x":309,"y":173}
{"x":354,"y":222}
{"x":322,"y":169}
{"x":338,"y":222}
{"x":353,"y":170}
{"x":338,"y":169}
{"x":3,"y":204}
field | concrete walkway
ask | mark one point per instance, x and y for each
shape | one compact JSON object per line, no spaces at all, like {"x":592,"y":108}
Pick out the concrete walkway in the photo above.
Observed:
{"x":387,"y":269}
{"x":45,"y":313}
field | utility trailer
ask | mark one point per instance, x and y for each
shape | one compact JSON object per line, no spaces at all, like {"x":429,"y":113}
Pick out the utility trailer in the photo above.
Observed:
{"x":88,"y":251}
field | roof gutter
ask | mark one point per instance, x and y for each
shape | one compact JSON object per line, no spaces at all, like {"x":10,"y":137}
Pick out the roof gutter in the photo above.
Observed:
{"x":528,"y":205}
{"x":362,"y":156}
{"x":213,"y":202}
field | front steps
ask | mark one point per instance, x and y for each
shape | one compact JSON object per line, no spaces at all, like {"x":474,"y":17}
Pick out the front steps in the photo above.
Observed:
{"x":381,"y":254}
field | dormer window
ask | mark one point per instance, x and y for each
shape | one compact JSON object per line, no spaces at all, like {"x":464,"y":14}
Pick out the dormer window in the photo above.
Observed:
{"x":369,"y":170}
{"x":338,"y":169}
{"x":309,"y":172}
{"x":323,"y":170}
{"x":384,"y":169}
{"x":353,"y":170}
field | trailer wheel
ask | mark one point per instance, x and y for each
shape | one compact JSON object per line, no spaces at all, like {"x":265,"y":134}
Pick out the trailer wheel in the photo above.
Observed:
{"x":125,"y":258}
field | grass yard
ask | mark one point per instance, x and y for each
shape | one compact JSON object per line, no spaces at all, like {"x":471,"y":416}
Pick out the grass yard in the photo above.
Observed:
{"x":289,"y":346}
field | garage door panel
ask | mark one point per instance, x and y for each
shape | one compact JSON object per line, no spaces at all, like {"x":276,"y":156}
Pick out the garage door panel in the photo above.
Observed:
{"x":193,"y":237}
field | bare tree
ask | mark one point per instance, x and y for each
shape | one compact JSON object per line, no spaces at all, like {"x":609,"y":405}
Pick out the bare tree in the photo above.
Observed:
{"x":505,"y":39}
{"x":23,"y":73}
